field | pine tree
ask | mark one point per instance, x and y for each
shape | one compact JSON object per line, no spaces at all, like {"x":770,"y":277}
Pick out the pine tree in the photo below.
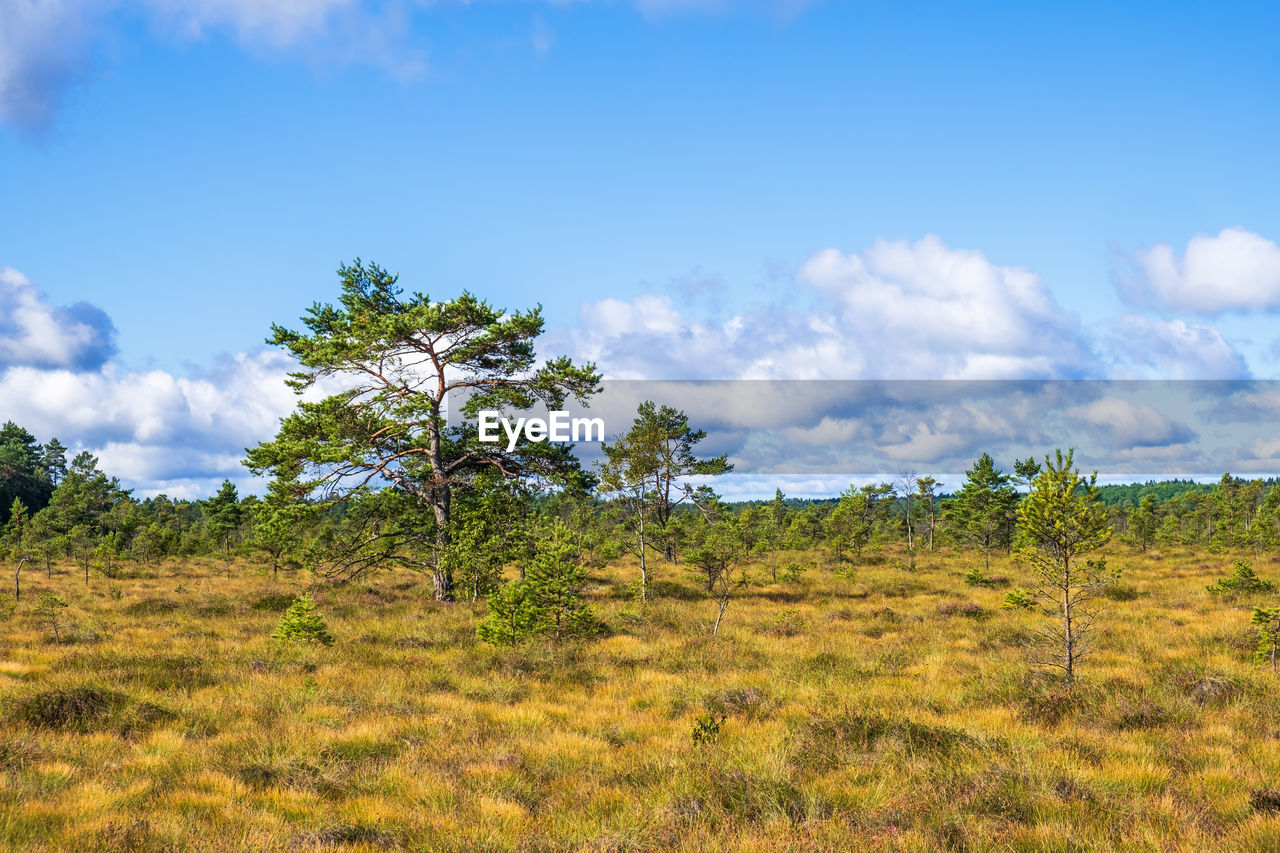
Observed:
{"x":1061,"y":520}
{"x":513,"y":615}
{"x":302,"y":623}
{"x":555,"y":579}
{"x":983,"y":507}
{"x":1268,"y":621}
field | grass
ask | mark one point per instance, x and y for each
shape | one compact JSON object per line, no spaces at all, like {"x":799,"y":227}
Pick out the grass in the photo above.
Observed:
{"x":877,"y":709}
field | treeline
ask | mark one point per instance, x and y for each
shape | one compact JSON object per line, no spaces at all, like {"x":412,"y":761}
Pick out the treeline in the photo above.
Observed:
{"x":54,"y":509}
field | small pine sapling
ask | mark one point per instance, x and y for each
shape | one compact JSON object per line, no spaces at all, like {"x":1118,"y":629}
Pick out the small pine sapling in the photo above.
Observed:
{"x":49,"y":607}
{"x":1242,"y":580}
{"x":303,"y":623}
{"x":1268,"y":621}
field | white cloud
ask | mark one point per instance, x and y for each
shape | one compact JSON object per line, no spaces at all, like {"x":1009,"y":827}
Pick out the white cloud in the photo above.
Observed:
{"x":1175,"y":349}
{"x":1237,"y":270}
{"x":151,"y":428}
{"x":36,"y":334}
{"x":897,"y":310}
{"x":1128,"y":424}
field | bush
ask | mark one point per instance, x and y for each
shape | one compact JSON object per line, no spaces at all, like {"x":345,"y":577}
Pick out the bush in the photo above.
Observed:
{"x":301,"y":623}
{"x":976,"y":577}
{"x":49,"y":607}
{"x":787,"y":624}
{"x":706,"y":728}
{"x":548,"y":601}
{"x":1242,"y":580}
{"x":1019,"y":598}
{"x":792,"y":571}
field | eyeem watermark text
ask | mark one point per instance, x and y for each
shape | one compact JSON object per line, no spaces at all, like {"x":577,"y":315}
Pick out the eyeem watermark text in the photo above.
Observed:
{"x":558,"y":427}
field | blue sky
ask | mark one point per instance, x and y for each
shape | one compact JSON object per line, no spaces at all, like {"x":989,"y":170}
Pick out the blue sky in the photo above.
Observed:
{"x":691,"y":188}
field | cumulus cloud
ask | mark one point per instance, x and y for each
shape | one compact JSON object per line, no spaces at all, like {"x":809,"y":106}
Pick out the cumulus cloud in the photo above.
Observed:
{"x":34,"y":333}
{"x":1128,"y":424}
{"x":898,"y":310}
{"x":154,"y":429}
{"x":1236,"y":270}
{"x":1176,"y":350}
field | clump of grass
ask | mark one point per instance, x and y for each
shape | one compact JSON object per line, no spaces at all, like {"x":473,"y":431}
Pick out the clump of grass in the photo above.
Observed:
{"x":88,"y":709}
{"x":274,"y":603}
{"x":151,"y":607}
{"x":1121,"y":592}
{"x":967,"y":609}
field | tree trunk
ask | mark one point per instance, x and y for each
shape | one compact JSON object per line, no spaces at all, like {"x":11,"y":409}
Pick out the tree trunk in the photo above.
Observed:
{"x":724,"y":603}
{"x":644,"y":571}
{"x":1069,"y":634}
{"x":17,"y":589}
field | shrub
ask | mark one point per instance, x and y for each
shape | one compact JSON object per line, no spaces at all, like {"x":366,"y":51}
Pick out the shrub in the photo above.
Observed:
{"x":88,"y":709}
{"x":49,"y":607}
{"x":706,"y":728}
{"x":1268,"y":647}
{"x":302,"y":623}
{"x":1242,"y":580}
{"x":977,"y":577}
{"x":1266,"y":800}
{"x":548,"y":601}
{"x":1019,"y":598}
{"x":792,"y":571}
{"x":787,"y":624}
{"x":513,"y":616}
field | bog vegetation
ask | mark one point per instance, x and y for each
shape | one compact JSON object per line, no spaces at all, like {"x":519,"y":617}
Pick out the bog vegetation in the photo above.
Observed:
{"x":413,"y":640}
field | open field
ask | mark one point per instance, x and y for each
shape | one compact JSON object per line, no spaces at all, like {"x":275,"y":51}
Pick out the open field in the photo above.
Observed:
{"x":885,"y":710}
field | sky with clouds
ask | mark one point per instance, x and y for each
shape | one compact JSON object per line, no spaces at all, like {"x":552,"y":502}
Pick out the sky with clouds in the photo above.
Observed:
{"x":694,"y":189}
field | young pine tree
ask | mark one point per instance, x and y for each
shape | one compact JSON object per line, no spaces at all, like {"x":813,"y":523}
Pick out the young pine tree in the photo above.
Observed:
{"x":303,"y":623}
{"x":1061,"y":520}
{"x":547,"y":601}
{"x":1268,"y":621}
{"x":556,"y":578}
{"x":513,"y":615}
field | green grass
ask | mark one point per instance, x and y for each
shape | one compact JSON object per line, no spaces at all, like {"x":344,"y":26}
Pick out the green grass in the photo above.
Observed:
{"x":878,"y":709}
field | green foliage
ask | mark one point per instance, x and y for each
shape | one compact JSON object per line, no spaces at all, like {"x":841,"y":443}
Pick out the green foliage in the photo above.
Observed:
{"x":387,"y":432}
{"x":513,"y":616}
{"x":1242,"y":581}
{"x":794,"y":570}
{"x":644,"y":476}
{"x":1020,"y":598}
{"x":303,"y":623}
{"x":547,"y":601}
{"x":706,"y":728}
{"x":983,"y":510}
{"x":49,"y":608}
{"x":1267,"y":620}
{"x":1060,"y":521}
{"x":977,"y":577}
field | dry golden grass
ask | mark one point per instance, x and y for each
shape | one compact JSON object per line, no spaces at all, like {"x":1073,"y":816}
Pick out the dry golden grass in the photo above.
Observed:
{"x":889,"y":710}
